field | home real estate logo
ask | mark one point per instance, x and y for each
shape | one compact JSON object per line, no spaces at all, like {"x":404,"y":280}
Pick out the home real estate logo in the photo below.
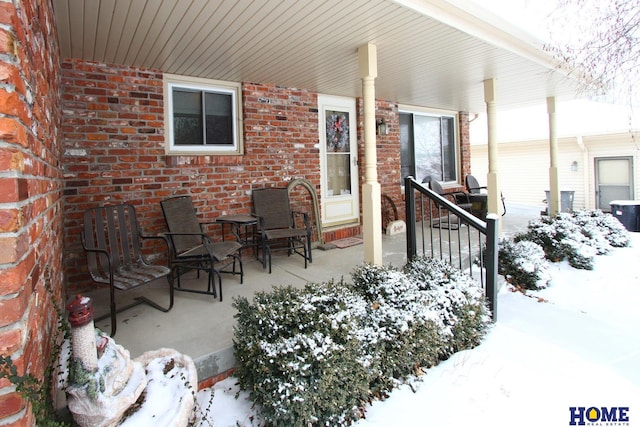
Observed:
{"x":599,"y":416}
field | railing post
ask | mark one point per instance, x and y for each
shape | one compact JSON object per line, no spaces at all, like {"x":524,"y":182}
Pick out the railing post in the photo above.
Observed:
{"x":410,"y":213}
{"x":491,"y":261}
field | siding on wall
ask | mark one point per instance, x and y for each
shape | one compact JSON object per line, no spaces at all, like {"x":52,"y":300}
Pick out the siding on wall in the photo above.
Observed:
{"x":30,"y":195}
{"x":524,"y":166}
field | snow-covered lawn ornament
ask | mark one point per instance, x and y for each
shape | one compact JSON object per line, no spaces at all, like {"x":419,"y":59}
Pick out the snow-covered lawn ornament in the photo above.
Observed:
{"x":107,"y":388}
{"x":101,"y":387}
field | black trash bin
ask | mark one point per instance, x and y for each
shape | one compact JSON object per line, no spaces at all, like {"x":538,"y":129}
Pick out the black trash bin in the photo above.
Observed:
{"x":627,"y":212}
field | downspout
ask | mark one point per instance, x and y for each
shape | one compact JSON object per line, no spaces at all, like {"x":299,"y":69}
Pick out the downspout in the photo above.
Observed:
{"x":554,"y":186}
{"x":589,"y":202}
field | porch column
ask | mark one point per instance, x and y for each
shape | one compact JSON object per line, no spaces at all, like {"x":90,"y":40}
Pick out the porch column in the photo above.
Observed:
{"x":554,"y":188}
{"x":371,"y":205}
{"x":494,"y":204}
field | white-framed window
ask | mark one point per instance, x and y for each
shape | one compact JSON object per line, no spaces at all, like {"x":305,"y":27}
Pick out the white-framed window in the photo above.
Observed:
{"x":429,"y":145}
{"x":202,"y":116}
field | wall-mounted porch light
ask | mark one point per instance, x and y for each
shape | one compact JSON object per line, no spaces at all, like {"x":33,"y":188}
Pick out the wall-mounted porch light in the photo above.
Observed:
{"x":382,"y":127}
{"x":574,"y":166}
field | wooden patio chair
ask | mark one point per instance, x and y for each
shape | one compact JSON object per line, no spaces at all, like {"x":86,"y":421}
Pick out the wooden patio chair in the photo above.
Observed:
{"x":279,"y":227}
{"x":111,"y":238}
{"x":191,"y":248}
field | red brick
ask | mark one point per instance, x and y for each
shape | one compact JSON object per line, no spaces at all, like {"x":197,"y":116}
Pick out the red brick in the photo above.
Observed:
{"x":10,"y":404}
{"x":12,"y":310}
{"x":10,"y":220}
{"x":10,"y":341}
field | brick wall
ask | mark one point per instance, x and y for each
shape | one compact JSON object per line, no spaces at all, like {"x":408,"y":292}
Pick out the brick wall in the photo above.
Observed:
{"x":30,"y":194}
{"x":114,"y":151}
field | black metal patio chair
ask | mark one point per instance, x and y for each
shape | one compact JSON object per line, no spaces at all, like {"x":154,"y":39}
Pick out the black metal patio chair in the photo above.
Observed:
{"x":191,"y":248}
{"x":279,"y":227}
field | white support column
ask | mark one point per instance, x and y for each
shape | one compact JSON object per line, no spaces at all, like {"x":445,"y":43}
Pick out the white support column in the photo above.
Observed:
{"x":371,"y":193}
{"x":494,"y":203}
{"x":554,"y":187}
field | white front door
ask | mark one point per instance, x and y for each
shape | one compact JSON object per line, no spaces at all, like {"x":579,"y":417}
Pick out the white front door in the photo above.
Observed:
{"x":338,"y":160}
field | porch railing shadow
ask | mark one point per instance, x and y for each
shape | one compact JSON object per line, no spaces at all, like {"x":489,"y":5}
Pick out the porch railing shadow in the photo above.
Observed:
{"x":437,"y":228}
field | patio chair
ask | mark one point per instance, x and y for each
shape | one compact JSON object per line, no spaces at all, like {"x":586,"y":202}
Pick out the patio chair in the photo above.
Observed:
{"x":458,"y":198}
{"x":476,"y":191}
{"x":191,"y":248}
{"x":112,"y":241}
{"x":279,"y":227}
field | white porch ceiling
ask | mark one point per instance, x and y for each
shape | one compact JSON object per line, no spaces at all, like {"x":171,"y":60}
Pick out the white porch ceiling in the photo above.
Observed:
{"x":431,"y":53}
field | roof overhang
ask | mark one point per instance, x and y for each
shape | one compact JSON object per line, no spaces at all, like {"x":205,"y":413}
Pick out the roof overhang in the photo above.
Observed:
{"x":431,"y":53}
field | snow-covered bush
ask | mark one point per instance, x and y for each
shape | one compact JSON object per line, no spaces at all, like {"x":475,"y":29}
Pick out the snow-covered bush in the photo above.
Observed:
{"x":523,"y":264}
{"x":299,"y":357}
{"x":456,"y":298}
{"x":577,"y":237}
{"x":603,"y":227}
{"x":314,"y":356}
{"x":400,"y":331}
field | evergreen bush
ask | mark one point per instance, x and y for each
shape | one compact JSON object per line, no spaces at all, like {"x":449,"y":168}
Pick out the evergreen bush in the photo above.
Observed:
{"x":577,"y":237}
{"x":299,"y":357}
{"x":400,"y":331}
{"x":315,"y":356}
{"x":456,"y":298}
{"x":523,"y":264}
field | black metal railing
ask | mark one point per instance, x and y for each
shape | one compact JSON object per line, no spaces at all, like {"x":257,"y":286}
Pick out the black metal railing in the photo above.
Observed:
{"x":448,"y":232}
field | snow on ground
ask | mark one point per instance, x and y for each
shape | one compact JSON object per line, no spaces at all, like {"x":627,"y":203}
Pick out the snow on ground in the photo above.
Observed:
{"x":574,"y":344}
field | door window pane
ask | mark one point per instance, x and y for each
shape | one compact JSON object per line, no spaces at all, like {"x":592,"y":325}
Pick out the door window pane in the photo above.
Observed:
{"x":338,"y":174}
{"x":337,"y":131}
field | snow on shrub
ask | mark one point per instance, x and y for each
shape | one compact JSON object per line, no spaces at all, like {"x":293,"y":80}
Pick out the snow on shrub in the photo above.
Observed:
{"x":523,"y":264}
{"x":298,"y":355}
{"x":399,"y":331}
{"x":314,"y":356}
{"x":577,"y":237}
{"x":456,"y":298}
{"x":602,"y":226}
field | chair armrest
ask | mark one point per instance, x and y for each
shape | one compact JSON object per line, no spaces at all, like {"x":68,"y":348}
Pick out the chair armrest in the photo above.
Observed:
{"x":305,"y":217}
{"x":88,"y":248}
{"x":457,"y":195}
{"x":203,"y":235}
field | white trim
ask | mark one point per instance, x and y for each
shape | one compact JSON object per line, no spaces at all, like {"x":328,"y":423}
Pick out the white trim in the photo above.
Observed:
{"x":343,"y":208}
{"x":232,"y":88}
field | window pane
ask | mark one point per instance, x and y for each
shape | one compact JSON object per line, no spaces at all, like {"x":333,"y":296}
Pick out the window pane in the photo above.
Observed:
{"x":427,"y":147}
{"x":448,"y":149}
{"x":406,"y":146}
{"x":338,"y":174}
{"x":219,"y":118}
{"x":337,"y":131}
{"x":187,"y":117}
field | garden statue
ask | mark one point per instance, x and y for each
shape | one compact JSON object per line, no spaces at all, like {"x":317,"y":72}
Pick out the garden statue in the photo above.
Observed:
{"x":105,"y":386}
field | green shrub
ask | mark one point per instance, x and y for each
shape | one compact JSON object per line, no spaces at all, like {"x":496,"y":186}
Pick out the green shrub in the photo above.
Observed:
{"x":577,"y":237}
{"x":456,"y":298}
{"x":523,"y":264}
{"x":299,"y":357}
{"x":314,"y":356}
{"x":400,"y":331}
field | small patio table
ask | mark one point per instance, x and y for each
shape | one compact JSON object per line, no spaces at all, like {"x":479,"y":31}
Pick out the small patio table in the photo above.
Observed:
{"x":243,"y":227}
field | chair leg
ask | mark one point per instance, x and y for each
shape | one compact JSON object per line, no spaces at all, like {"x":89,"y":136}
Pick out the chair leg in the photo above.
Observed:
{"x":112,"y":307}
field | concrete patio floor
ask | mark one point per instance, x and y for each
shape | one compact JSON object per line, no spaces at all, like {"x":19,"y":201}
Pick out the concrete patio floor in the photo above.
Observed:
{"x":202,"y":327}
